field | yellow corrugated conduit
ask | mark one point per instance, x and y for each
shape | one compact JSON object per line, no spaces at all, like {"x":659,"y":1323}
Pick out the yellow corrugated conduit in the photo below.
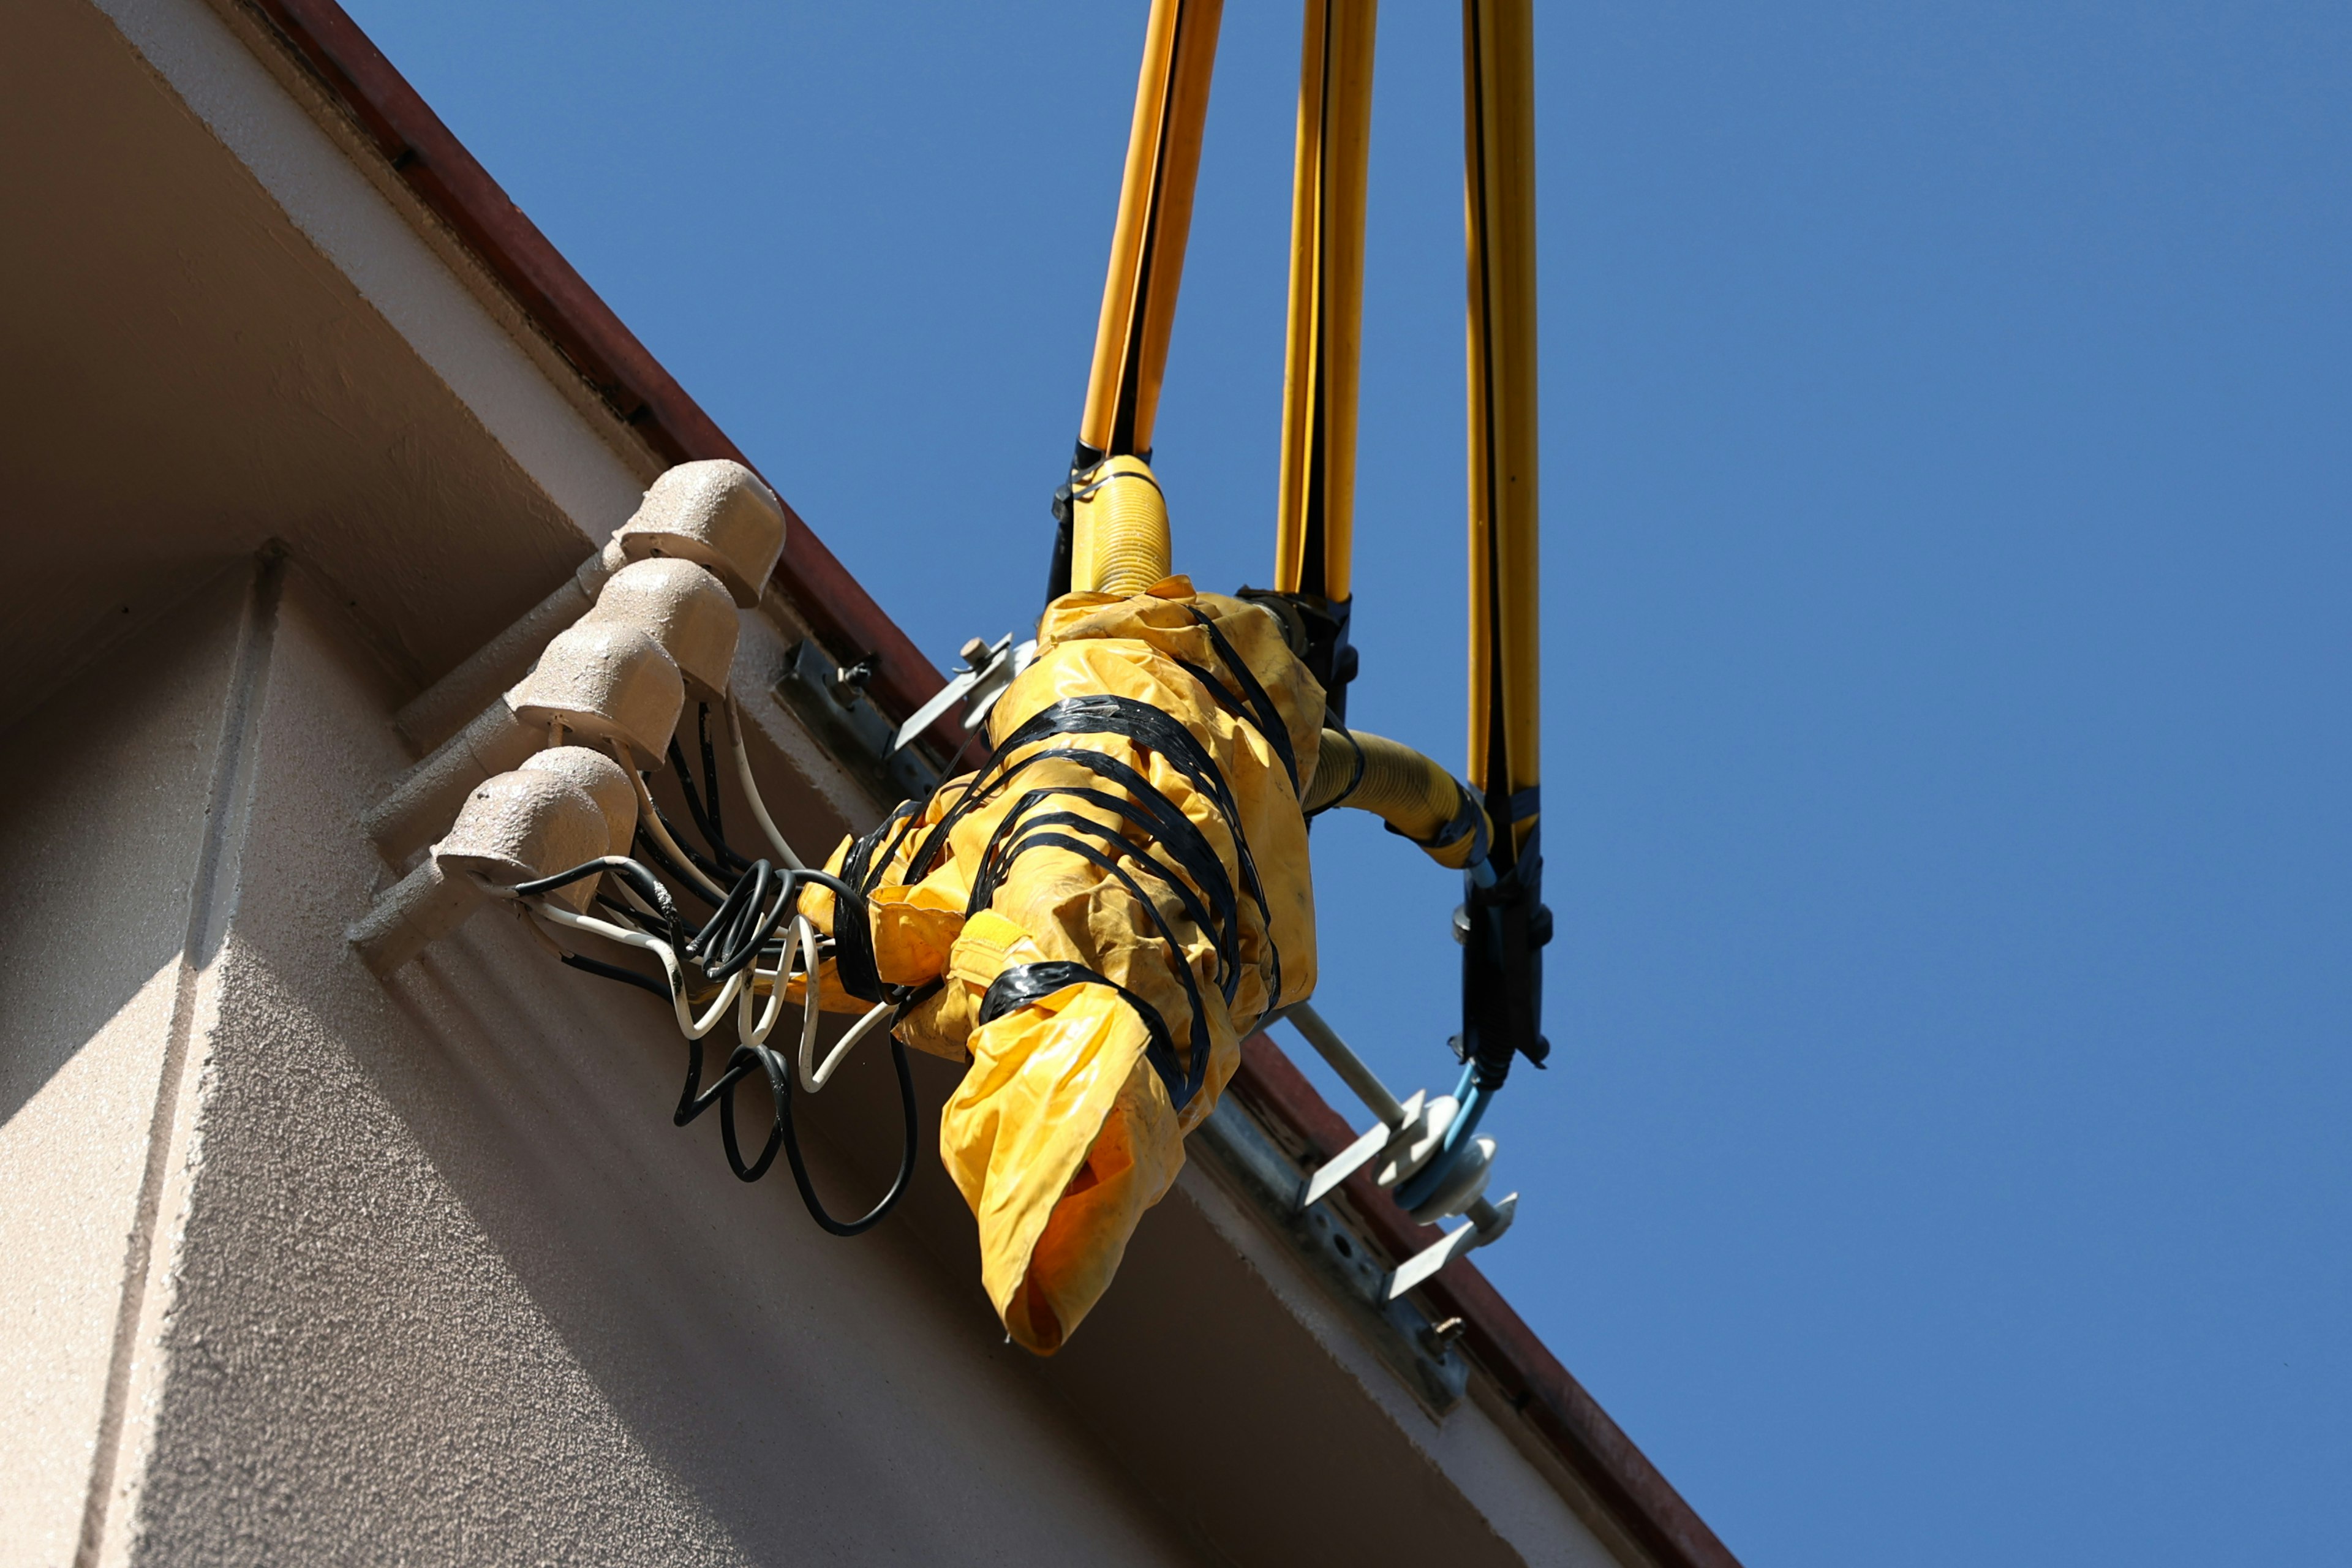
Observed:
{"x":1412,"y":793}
{"x":1118,"y":541}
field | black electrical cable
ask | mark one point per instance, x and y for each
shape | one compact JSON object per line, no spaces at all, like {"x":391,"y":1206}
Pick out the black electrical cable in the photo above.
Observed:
{"x":616,"y":971}
{"x":704,"y":863}
{"x":783,"y":1133}
{"x":643,"y":882}
{"x":648,"y":846}
{"x":728,"y":938}
{"x":704,"y":812}
{"x":727,"y":852}
{"x":780,"y":1084}
{"x":743,"y":925}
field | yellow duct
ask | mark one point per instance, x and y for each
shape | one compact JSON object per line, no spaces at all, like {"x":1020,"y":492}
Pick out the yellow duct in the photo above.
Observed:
{"x":1412,"y":793}
{"x":1119,"y":539}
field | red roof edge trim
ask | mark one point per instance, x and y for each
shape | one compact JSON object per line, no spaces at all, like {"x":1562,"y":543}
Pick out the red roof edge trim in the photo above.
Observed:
{"x":1570,"y":1420}
{"x":458,"y":190}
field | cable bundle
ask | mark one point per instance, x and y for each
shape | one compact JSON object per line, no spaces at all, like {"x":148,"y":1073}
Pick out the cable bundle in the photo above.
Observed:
{"x":756,"y":943}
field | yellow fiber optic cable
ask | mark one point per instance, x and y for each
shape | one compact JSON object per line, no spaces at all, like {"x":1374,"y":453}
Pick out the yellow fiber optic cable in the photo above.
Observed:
{"x":1316,"y":517}
{"x":1499,"y":103}
{"x":1155,"y":215}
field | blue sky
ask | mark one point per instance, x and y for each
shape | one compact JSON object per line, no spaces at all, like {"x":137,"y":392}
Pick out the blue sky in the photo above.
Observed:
{"x":1945,"y":564}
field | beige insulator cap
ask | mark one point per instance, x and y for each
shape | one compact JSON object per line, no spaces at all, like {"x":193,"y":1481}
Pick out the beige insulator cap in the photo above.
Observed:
{"x":606,"y":784}
{"x":528,"y":824}
{"x":716,"y":513}
{"x":608,"y":681}
{"x":683,"y":607}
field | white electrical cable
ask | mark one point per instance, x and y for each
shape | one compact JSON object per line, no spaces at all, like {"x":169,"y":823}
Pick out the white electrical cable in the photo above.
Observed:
{"x":752,"y":789}
{"x":692,"y":1027}
{"x":753,"y":1033}
{"x":758,"y":1036}
{"x":857,"y":1032}
{"x":811,"y":1003}
{"x":650,"y":820}
{"x":636,"y":900}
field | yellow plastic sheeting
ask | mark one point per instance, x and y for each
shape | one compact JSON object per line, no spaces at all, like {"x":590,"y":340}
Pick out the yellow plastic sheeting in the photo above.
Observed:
{"x":1064,"y":1132}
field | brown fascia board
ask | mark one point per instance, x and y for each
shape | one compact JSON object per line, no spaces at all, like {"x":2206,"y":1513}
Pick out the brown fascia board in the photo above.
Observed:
{"x":458,"y":191}
{"x":559,"y":303}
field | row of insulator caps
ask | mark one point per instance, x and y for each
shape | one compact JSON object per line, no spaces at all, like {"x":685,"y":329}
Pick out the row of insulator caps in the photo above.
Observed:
{"x":533,"y":782}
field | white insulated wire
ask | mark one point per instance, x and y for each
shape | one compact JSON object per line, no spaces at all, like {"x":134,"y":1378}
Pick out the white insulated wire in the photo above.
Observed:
{"x":757,"y":1033}
{"x":812,"y":1001}
{"x":752,"y":789}
{"x":692,"y":1027}
{"x":857,"y":1032}
{"x":741,"y":989}
{"x":650,"y":820}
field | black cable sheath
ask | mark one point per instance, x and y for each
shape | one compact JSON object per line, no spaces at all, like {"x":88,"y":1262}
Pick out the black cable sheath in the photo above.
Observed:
{"x":790,"y":1132}
{"x":709,"y":868}
{"x":648,"y":846}
{"x":616,"y":971}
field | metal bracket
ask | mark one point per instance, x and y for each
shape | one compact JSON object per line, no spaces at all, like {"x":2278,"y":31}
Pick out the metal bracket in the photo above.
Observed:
{"x":834,"y":701}
{"x":1487,"y":1220}
{"x":988,"y":668}
{"x":1408,"y":1132}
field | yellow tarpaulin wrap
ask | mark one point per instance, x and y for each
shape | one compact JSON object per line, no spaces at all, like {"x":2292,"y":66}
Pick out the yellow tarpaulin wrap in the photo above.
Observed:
{"x":1139,"y":912}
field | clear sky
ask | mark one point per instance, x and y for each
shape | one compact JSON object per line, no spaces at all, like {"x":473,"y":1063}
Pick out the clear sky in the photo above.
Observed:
{"x":1944,"y":484}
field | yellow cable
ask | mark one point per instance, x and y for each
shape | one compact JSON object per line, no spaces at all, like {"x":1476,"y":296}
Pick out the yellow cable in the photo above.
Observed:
{"x":1315,"y":519}
{"x":1498,"y":99}
{"x":1155,"y":216}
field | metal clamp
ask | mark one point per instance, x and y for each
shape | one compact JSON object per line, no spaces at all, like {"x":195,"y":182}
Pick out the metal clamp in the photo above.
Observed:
{"x":1403,"y":1138}
{"x":988,"y":670}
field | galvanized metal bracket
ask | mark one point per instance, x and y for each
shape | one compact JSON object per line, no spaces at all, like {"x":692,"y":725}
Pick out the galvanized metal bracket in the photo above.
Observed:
{"x":833,"y":702}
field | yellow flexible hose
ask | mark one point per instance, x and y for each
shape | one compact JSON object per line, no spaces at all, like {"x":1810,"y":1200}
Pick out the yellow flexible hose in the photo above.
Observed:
{"x":1411,"y":793}
{"x":1119,"y":540}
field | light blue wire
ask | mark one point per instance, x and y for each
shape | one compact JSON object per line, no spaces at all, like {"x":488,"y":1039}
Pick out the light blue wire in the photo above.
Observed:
{"x":1472,"y":1101}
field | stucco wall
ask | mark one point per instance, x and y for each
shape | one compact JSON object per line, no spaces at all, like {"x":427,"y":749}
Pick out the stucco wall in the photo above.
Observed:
{"x":103,"y":801}
{"x":433,"y":1277}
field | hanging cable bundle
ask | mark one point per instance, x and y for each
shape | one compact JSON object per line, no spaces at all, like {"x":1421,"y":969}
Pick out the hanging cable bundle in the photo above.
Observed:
{"x":756,"y":942}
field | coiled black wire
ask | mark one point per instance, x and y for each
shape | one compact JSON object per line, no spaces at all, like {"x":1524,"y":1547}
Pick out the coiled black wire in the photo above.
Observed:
{"x":759,"y":902}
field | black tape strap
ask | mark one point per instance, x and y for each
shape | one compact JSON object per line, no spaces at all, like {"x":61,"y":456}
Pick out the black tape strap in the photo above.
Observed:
{"x":1469,"y":819}
{"x":1171,"y":830}
{"x":1027,"y":982}
{"x":1101,"y":713}
{"x":1200,"y":1029}
{"x":1003,"y":849}
{"x":1268,"y":718}
{"x":858,"y":865}
{"x":1355,"y":751}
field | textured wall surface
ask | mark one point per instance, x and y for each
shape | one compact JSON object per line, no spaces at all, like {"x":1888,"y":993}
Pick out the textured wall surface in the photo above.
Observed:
{"x":435,"y":1280}
{"x":102,"y":818}
{"x":301,"y":1265}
